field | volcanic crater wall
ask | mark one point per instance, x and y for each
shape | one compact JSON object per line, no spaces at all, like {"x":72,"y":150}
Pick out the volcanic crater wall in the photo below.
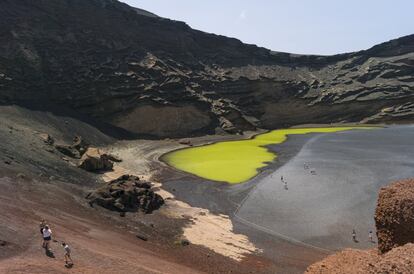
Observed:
{"x":143,"y":73}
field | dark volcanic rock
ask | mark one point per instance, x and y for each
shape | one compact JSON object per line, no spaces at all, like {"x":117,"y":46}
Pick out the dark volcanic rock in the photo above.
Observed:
{"x":394,"y":216}
{"x":47,"y":139}
{"x":68,"y":151}
{"x":75,"y":150}
{"x":80,"y":145}
{"x":127,"y":193}
{"x":157,"y":77}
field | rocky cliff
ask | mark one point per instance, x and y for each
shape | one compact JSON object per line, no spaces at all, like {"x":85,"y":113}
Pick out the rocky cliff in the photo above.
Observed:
{"x":394,"y":220}
{"x":153,"y":76}
{"x":394,"y":216}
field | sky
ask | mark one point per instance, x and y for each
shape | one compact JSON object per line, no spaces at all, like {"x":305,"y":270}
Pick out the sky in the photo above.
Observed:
{"x":296,"y":26}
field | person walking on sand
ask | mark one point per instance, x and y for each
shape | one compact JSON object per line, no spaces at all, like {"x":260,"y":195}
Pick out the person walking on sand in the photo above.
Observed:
{"x":47,"y":237}
{"x":68,"y":259}
{"x":354,"y":235}
{"x":370,"y":236}
{"x":281,"y":178}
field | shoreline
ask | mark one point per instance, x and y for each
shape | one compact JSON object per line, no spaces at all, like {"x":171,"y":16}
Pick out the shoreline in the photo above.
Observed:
{"x":229,"y":195}
{"x":255,"y":143}
{"x":221,"y":198}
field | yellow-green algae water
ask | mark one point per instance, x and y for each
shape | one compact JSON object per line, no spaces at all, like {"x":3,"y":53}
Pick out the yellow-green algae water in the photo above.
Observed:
{"x":236,"y":161}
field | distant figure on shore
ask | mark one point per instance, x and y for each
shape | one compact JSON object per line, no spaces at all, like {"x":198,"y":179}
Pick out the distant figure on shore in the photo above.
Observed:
{"x":313,"y":172}
{"x":47,"y":237}
{"x":370,"y":236}
{"x":285,"y":184}
{"x":68,"y":259}
{"x":281,"y":178}
{"x":354,"y":236}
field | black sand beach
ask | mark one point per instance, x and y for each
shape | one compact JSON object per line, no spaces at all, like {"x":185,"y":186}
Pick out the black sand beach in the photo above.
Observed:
{"x":317,"y":213}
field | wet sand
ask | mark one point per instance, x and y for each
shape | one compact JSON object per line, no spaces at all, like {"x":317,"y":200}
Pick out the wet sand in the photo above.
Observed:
{"x":321,"y":210}
{"x":317,"y":213}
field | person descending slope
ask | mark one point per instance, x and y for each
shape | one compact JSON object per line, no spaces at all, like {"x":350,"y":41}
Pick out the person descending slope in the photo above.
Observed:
{"x":47,"y":237}
{"x":68,"y":259}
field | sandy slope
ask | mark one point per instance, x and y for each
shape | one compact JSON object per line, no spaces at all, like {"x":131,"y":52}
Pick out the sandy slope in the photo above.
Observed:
{"x":97,"y":246}
{"x":36,"y":184}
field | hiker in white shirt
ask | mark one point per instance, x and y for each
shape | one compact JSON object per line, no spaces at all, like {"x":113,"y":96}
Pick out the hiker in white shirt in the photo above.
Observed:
{"x":47,"y":236}
{"x":67,"y":254}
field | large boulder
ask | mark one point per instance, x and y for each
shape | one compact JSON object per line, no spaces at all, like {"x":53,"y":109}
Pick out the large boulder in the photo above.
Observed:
{"x":394,"y":216}
{"x":126,"y":194}
{"x":95,"y":160}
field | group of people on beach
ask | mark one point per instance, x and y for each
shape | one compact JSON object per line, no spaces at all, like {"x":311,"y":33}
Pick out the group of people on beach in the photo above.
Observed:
{"x":305,"y":166}
{"x":313,"y":172}
{"x":46,"y":233}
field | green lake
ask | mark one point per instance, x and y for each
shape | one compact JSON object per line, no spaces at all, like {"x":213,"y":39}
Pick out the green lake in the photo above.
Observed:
{"x":236,"y":161}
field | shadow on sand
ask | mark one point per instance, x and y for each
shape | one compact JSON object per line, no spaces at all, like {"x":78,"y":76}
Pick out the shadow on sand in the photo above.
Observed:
{"x":49,"y":253}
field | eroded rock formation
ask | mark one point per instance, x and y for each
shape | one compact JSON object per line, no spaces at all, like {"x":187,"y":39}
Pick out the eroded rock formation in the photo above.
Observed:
{"x":75,"y":150}
{"x":398,"y":260}
{"x":394,"y":216}
{"x":95,"y":160}
{"x":158,"y":77}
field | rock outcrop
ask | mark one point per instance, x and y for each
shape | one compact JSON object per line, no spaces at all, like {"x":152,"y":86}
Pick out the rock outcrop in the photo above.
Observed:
{"x":394,"y":220}
{"x":95,"y":160}
{"x":75,"y":150}
{"x":158,"y":77}
{"x":398,"y":260}
{"x":394,"y":216}
{"x":126,"y":194}
{"x":47,"y":139}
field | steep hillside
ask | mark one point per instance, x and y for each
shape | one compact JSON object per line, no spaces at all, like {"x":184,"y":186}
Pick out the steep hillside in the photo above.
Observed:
{"x":153,"y":76}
